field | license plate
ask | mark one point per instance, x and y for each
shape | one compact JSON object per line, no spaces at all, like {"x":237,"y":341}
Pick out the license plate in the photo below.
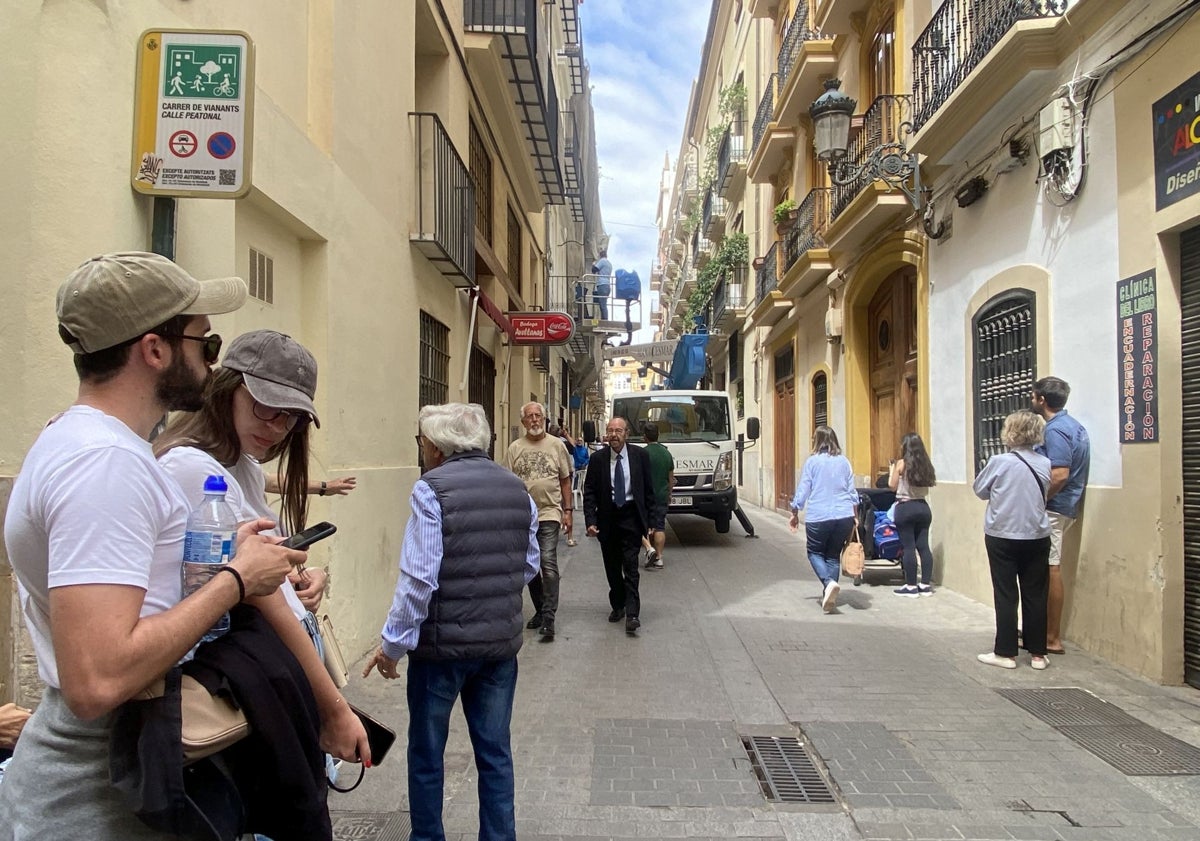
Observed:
{"x":681,"y":500}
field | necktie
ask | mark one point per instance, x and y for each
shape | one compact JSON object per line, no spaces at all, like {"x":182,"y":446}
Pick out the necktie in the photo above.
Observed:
{"x":618,"y":484}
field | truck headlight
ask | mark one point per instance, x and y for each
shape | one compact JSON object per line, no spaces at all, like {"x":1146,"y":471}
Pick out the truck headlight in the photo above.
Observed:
{"x":723,"y":475}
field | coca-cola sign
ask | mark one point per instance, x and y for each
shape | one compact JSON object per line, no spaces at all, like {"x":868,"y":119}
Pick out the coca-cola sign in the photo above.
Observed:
{"x":541,"y":328}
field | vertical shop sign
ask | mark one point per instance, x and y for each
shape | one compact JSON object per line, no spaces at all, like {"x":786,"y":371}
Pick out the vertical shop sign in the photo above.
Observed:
{"x":1137,"y":329}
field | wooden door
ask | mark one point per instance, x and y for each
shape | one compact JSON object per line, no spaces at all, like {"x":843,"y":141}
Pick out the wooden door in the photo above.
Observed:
{"x":785,"y":442}
{"x":892,"y":334}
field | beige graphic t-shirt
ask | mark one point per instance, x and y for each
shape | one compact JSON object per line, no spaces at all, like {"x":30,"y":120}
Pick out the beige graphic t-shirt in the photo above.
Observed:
{"x":541,"y":465}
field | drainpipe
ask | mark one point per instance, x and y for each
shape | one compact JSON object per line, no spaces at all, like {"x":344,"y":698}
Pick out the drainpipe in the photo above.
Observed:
{"x":462,"y":387}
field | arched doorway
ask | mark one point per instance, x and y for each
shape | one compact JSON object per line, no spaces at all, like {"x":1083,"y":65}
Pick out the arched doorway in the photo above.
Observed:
{"x":892,"y":338}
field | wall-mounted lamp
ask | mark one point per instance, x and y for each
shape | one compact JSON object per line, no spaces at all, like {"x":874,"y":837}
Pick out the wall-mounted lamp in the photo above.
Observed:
{"x":890,"y":163}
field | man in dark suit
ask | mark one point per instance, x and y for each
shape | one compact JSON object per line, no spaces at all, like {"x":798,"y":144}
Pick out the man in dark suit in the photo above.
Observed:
{"x":619,"y":506}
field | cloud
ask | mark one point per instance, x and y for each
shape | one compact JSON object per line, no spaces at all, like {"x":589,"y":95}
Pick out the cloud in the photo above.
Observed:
{"x":642,"y":58}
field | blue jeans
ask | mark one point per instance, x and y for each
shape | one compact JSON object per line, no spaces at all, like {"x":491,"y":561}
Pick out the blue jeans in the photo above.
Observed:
{"x":825,"y":540}
{"x":487,"y":688}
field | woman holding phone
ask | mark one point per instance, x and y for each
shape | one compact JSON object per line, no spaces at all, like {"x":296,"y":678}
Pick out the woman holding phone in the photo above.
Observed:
{"x":257,"y":408}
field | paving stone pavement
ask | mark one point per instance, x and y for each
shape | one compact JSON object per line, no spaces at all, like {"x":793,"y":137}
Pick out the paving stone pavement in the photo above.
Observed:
{"x":620,"y":738}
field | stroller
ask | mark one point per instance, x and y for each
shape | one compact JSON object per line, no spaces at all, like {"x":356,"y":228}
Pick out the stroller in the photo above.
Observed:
{"x":881,"y":541}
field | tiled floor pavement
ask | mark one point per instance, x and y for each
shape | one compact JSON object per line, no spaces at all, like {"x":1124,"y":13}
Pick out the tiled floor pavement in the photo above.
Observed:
{"x":640,"y":738}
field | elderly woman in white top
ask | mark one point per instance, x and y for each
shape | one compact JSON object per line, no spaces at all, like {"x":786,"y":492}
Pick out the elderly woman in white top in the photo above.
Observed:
{"x":1017,"y":536}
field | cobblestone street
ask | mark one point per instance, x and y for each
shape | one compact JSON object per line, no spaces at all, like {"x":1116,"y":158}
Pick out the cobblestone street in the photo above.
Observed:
{"x":644,"y":738}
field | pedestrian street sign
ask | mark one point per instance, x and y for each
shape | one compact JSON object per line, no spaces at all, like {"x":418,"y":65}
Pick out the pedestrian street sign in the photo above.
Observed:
{"x":193,"y":113}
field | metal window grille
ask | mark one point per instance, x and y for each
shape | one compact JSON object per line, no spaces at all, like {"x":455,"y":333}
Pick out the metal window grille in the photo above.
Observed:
{"x":262,"y":277}
{"x":820,"y":399}
{"x":481,"y":389}
{"x":1005,"y":349}
{"x":481,"y":176}
{"x":435,"y":361}
{"x":513,"y":263}
{"x":735,"y":356}
{"x":785,"y":364}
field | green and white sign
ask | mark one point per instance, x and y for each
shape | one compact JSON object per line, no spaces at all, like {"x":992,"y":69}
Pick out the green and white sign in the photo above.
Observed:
{"x":192,"y":114}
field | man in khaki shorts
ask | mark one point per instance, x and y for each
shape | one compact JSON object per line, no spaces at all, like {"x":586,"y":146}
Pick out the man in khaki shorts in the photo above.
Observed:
{"x":1070,"y":451}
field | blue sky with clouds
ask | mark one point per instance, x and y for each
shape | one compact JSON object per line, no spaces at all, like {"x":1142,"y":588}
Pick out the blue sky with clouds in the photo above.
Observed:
{"x":642,"y":56}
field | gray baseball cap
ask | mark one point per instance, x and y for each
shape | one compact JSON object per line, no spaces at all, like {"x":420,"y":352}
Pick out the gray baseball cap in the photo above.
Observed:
{"x":116,"y":297}
{"x":278,"y":371}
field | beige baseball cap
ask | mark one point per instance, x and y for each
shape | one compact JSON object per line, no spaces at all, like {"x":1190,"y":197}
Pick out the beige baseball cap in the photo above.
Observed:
{"x":116,"y":297}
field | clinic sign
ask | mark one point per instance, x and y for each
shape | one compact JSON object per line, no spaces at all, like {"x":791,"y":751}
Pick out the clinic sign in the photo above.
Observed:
{"x":1177,"y":144}
{"x":1137,"y":331}
{"x":192,"y":113}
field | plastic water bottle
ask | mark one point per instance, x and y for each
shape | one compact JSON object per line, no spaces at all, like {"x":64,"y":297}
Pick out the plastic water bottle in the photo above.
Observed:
{"x":209,"y":544}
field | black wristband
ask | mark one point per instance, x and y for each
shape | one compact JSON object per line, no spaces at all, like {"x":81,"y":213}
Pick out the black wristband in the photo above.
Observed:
{"x":322,"y":491}
{"x":237,"y":576}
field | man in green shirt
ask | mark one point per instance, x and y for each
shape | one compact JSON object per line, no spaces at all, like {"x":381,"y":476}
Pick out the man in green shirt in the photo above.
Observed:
{"x":662,"y":476}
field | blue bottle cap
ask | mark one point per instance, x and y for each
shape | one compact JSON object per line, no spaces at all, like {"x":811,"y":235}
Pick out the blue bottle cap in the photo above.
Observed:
{"x":215,"y":485}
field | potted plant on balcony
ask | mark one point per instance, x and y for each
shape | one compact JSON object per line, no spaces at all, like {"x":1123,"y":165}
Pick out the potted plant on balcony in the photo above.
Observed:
{"x":785,"y":216}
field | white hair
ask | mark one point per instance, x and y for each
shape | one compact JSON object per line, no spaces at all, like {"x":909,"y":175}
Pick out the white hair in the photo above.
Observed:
{"x":455,"y":427}
{"x":525,"y":408}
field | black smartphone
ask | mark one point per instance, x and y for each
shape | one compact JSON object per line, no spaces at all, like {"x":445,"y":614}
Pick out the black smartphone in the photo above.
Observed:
{"x":306,"y":538}
{"x":379,"y":735}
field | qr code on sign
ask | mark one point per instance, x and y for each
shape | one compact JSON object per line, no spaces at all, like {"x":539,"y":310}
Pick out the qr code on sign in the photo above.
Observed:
{"x":227,"y":177}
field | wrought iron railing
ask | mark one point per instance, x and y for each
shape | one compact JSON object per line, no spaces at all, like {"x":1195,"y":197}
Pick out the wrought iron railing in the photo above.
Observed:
{"x":958,"y":38}
{"x":880,"y":124}
{"x":445,"y":220}
{"x":508,"y":17}
{"x":764,"y":114}
{"x":813,"y":216}
{"x":766,"y":274}
{"x":798,"y":31}
{"x":560,"y":293}
{"x":701,"y":247}
{"x":731,"y":153}
{"x":714,"y":205}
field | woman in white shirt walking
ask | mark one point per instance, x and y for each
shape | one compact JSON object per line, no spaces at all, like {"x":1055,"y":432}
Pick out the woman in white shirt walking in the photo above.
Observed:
{"x":826,"y":492}
{"x":1017,"y":536}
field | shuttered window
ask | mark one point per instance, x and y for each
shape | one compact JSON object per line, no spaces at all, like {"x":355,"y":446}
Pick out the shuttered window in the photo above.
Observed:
{"x":1189,"y":272}
{"x":1005,"y":366}
{"x":820,"y":400}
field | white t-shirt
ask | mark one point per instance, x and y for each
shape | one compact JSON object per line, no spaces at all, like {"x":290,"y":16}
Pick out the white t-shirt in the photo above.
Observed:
{"x":92,"y":506}
{"x":247,"y":494}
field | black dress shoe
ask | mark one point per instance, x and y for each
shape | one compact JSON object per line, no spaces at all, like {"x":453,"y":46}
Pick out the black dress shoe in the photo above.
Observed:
{"x":631,"y":626}
{"x":617,"y":615}
{"x":535,"y":622}
{"x":547,"y":631}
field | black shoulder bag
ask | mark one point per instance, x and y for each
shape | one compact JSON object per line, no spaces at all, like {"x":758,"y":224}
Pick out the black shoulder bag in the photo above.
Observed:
{"x":1041,"y":484}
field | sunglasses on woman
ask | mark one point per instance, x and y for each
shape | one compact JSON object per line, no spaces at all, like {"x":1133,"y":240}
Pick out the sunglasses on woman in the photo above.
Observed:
{"x":266,"y":413}
{"x":212,"y":344}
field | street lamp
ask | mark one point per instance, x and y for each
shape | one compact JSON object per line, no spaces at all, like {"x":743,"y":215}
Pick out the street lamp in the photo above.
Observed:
{"x":890,"y":162}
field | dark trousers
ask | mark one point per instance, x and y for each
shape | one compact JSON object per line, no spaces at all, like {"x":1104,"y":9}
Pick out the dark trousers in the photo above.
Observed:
{"x":620,"y":545}
{"x":1020,"y":571}
{"x":543,"y":587}
{"x":825,"y":539}
{"x":912,"y":522}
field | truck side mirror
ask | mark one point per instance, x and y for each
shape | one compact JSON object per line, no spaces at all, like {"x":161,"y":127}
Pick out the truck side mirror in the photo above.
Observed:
{"x":589,"y":432}
{"x":752,"y":430}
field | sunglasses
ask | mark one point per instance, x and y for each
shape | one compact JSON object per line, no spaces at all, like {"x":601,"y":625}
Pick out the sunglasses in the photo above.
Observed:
{"x":266,"y":413}
{"x":212,"y":344}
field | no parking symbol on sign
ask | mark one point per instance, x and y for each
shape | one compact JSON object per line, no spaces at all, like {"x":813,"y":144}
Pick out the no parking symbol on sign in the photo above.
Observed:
{"x":192,"y":113}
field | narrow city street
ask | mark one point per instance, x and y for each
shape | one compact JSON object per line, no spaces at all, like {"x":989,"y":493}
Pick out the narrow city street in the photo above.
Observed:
{"x":645,"y":738}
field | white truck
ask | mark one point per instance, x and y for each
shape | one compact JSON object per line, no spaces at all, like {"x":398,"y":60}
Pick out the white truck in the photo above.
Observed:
{"x":697,"y":427}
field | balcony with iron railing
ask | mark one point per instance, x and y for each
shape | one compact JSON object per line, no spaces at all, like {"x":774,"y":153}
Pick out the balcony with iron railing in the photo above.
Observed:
{"x":444,"y":227}
{"x":656,"y":275}
{"x":701,"y":249}
{"x":731,"y":159}
{"x":534,"y":99}
{"x":769,"y":303}
{"x":972,"y":54}
{"x":773,"y":141}
{"x":805,"y":58}
{"x":572,"y":166}
{"x":713,"y":218}
{"x":728,"y":304}
{"x":806,"y":260}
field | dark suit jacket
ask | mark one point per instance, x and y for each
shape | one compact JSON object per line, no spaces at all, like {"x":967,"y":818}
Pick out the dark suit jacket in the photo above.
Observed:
{"x":598,"y":509}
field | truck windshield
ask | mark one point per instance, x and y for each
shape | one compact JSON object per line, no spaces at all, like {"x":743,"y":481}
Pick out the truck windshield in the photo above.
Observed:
{"x":679,"y":418}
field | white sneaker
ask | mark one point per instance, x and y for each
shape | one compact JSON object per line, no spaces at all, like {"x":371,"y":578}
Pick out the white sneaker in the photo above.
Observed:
{"x":991,"y":658}
{"x":1039,"y":663}
{"x":829,"y":600}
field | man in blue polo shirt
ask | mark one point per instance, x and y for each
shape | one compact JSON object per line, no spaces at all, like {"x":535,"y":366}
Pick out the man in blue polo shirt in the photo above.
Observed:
{"x":1070,"y":452}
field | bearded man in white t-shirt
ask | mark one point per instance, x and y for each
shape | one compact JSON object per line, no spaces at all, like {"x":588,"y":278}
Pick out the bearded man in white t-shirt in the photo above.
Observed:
{"x":94,"y":533}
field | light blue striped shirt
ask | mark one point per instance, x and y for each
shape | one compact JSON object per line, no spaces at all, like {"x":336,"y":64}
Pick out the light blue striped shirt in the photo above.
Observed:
{"x":420,"y":564}
{"x":826,"y":488}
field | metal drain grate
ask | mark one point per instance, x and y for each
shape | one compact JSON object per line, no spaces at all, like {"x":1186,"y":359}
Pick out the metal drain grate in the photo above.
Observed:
{"x":1138,"y":750}
{"x":786,"y":771}
{"x":371,"y":826}
{"x":1131,"y":746}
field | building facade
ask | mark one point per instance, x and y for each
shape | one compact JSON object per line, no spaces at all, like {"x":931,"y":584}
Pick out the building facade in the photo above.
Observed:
{"x":418,"y":170}
{"x":1050,"y":228}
